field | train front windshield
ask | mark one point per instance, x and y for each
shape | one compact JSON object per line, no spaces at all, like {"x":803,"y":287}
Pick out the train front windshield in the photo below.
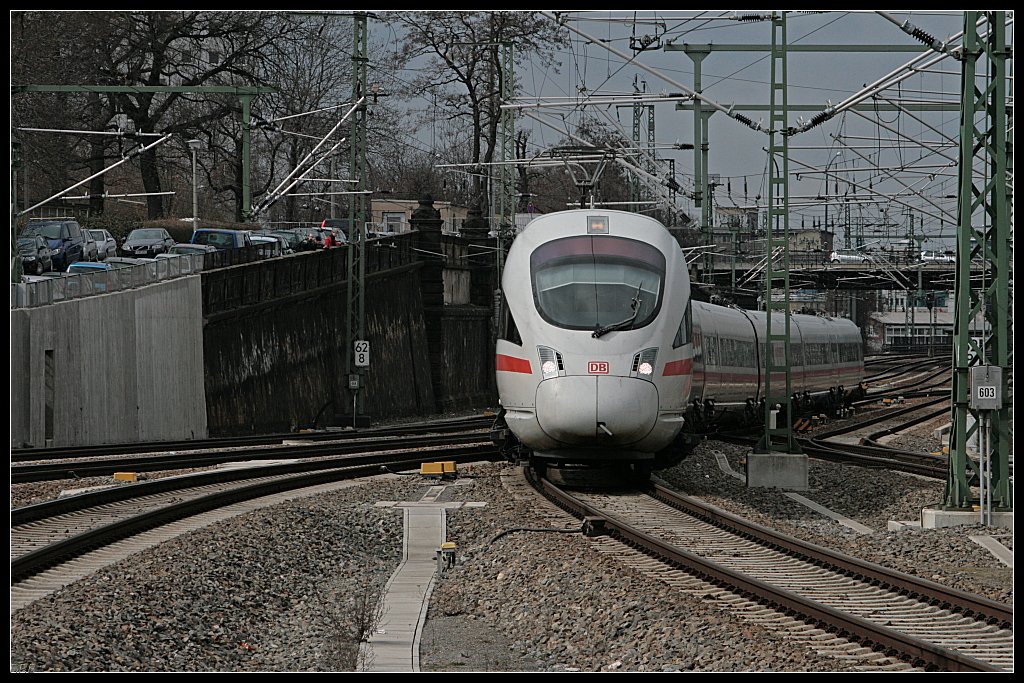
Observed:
{"x":589,"y":282}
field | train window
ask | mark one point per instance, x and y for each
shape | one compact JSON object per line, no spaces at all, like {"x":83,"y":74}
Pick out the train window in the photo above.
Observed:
{"x":584,"y":283}
{"x":507,"y":328}
{"x":710,"y":349}
{"x":684,"y":335}
{"x":819,"y":354}
{"x":749,"y":354}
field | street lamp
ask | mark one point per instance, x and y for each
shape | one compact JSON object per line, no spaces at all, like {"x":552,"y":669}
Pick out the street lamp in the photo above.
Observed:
{"x":195,"y":146}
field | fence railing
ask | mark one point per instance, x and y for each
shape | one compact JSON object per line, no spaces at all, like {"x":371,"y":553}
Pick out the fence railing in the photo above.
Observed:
{"x":298,"y":273}
{"x":41,"y":291}
{"x":273,"y":278}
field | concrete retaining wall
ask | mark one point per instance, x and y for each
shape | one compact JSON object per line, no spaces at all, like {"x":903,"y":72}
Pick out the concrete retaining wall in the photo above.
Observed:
{"x":126,"y":366}
{"x":280,"y":365}
{"x":467,"y":359}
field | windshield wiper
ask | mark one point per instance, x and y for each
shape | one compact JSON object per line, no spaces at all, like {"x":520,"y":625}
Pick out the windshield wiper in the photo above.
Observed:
{"x":622,"y":324}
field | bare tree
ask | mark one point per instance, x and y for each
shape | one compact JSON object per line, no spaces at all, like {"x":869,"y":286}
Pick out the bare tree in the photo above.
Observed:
{"x":311,"y":75}
{"x":170,"y":48}
{"x":462,"y":52}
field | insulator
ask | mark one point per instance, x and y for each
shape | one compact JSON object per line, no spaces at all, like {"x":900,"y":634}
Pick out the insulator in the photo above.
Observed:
{"x":743,"y":119}
{"x":923,"y":36}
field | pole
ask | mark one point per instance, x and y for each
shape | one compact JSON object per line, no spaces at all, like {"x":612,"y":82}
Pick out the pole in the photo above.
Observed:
{"x":246,"y":102}
{"x":982,"y":332}
{"x":778,"y":345}
{"x":195,"y":194}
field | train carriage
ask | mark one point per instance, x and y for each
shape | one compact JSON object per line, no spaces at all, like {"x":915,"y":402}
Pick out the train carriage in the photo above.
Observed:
{"x":603,"y":356}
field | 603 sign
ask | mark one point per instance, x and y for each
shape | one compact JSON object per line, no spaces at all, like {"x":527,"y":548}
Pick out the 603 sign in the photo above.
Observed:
{"x":361,"y":349}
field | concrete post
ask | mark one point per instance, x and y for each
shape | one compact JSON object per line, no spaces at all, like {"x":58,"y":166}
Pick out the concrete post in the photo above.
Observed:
{"x":426,"y":221}
{"x":482,"y":258}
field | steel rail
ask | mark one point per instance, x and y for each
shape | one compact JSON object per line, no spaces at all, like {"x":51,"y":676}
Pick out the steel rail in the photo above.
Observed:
{"x":870,"y":634}
{"x":113,"y":494}
{"x":38,"y":560}
{"x":59,"y":452}
{"x":92,"y":468}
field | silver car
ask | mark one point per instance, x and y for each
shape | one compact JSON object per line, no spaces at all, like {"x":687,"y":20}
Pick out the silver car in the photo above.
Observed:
{"x":90,"y":250}
{"x":106,"y":245}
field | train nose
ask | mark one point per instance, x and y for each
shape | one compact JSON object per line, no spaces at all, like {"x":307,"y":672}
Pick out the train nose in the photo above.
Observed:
{"x":597,"y":410}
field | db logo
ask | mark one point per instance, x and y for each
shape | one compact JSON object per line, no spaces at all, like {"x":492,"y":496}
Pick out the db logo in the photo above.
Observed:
{"x":597,"y":367}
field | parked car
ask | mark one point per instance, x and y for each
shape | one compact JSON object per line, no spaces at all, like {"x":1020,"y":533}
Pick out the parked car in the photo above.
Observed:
{"x":292,"y":237}
{"x":106,"y":245}
{"x":275,"y":246}
{"x":147,"y":242}
{"x":930,"y":256}
{"x":222,"y":238}
{"x":128,"y":261}
{"x":187,"y":248}
{"x":35,"y":254}
{"x":849,"y":257}
{"x":90,"y":250}
{"x":63,"y":236}
{"x":284,"y":238}
{"x":89,"y":267}
{"x":99,"y":285}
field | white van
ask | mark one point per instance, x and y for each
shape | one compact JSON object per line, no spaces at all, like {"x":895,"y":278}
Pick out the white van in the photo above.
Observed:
{"x":929,"y":256}
{"x":848,"y":257}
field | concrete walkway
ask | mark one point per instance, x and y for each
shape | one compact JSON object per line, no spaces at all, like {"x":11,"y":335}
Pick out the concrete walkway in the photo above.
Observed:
{"x":395,"y":644}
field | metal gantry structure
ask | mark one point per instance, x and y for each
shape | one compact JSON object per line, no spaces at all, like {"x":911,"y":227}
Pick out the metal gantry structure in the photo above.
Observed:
{"x":983,"y":232}
{"x":778,"y":394}
{"x":243,"y":92}
{"x":637,"y":189}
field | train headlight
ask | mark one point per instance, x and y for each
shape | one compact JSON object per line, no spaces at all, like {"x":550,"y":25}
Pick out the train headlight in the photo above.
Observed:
{"x":550,"y":362}
{"x":643,"y":364}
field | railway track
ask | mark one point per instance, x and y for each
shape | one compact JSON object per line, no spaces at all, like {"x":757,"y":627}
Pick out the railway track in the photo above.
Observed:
{"x":52,"y":534}
{"x":92,"y":466}
{"x":824,"y":445}
{"x":66,"y":453}
{"x":892,"y":615}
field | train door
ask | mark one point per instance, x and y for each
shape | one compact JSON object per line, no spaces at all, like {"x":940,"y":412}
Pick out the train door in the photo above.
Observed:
{"x":700,"y":319}
{"x":834,"y":359}
{"x":797,"y":362}
{"x":756,"y":360}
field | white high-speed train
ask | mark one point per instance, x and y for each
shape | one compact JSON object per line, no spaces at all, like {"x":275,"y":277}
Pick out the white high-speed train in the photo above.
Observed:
{"x":603,"y":356}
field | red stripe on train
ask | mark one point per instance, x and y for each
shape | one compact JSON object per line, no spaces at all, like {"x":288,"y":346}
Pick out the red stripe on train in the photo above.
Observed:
{"x":512,"y":364}
{"x":678,"y":367}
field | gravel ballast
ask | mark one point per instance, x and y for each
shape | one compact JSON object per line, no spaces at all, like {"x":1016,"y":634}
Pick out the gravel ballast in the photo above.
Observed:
{"x":272,"y":590}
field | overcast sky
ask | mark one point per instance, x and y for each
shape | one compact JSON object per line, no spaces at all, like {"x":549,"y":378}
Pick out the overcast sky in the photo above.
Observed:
{"x":919,"y":176}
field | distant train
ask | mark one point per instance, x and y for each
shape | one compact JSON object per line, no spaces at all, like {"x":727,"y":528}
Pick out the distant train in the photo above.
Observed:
{"x":604,"y":357}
